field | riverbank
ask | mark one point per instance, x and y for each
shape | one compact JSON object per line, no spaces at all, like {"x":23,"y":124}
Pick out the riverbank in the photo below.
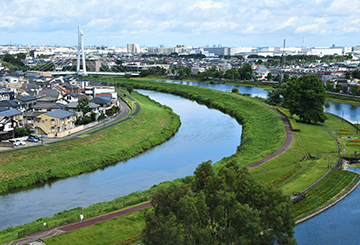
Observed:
{"x":263,"y":129}
{"x":234,"y":95}
{"x":119,"y":142}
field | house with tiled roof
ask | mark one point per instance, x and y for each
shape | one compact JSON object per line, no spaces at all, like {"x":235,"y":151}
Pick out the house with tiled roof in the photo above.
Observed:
{"x":29,"y":100}
{"x":105,"y":104}
{"x":15,"y":115}
{"x":7,"y":128}
{"x":47,"y":106}
{"x":14,"y":104}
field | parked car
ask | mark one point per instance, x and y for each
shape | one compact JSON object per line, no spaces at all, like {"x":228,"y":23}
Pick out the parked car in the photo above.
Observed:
{"x":33,"y":138}
{"x":19,"y":142}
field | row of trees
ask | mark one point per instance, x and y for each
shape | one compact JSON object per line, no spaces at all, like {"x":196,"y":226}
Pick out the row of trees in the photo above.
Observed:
{"x":298,"y":59}
{"x":14,"y":61}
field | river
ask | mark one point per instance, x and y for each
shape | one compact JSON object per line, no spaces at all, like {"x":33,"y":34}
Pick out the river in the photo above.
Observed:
{"x":209,"y":130}
{"x":205,"y":134}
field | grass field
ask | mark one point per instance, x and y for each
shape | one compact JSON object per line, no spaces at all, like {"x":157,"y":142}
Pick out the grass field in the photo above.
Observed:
{"x":280,"y":164}
{"x":120,"y":142}
{"x":326,"y":190}
{"x":107,"y":232}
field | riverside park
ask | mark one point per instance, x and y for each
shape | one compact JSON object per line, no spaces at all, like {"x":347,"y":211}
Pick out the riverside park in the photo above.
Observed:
{"x":305,"y":162}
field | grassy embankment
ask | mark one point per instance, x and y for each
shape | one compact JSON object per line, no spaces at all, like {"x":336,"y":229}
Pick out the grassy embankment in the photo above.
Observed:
{"x":286,"y":161}
{"x":262,"y":128}
{"x":343,"y":99}
{"x":123,"y":141}
{"x":312,"y":139}
{"x":107,"y":147}
{"x":107,"y":232}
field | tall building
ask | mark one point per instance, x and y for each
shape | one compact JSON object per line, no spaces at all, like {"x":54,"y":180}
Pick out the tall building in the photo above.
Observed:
{"x":133,"y":48}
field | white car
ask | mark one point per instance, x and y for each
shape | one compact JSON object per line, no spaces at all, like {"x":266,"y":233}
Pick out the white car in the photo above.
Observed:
{"x":19,"y":142}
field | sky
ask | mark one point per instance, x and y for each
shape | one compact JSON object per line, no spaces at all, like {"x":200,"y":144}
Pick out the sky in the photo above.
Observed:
{"x":231,"y":23}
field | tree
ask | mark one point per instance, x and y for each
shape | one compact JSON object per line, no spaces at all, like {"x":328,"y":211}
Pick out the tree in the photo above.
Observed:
{"x":229,"y":207}
{"x":274,"y":97}
{"x":20,"y":132}
{"x":269,"y":76}
{"x":329,"y":87}
{"x":305,"y":97}
{"x":355,"y":90}
{"x":286,"y":77}
{"x":83,"y":106}
{"x":129,"y":88}
{"x":235,"y":90}
{"x":127,"y":75}
{"x":347,"y":75}
{"x":339,"y":87}
{"x":248,"y":75}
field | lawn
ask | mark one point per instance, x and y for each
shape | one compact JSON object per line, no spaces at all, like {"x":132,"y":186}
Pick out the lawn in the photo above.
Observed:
{"x":277,"y":166}
{"x":315,"y":138}
{"x":107,"y":232}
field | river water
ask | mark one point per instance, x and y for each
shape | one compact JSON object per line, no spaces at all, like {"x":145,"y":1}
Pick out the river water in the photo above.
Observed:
{"x":205,"y":134}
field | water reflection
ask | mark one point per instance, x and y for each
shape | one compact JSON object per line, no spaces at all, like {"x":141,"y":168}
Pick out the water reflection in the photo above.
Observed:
{"x":205,"y":134}
{"x":337,"y":225}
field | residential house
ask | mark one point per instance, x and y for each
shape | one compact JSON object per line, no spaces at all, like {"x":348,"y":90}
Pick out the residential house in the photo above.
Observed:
{"x":6,"y":94}
{"x":15,"y":115}
{"x":47,"y":106}
{"x":7,"y":128}
{"x":72,"y":106}
{"x":14,"y":104}
{"x":55,"y":123}
{"x":105,"y":104}
{"x":30,"y":101}
{"x":51,"y":93}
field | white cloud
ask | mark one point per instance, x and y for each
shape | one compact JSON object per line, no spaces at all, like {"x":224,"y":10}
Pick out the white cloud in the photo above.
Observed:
{"x":157,"y":20}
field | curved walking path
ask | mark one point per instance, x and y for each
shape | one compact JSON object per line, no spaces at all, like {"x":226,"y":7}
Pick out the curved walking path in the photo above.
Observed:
{"x":76,"y":225}
{"x":285,"y":145}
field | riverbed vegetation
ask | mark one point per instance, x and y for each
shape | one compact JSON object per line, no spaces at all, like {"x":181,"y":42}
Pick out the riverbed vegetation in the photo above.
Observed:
{"x":120,"y":142}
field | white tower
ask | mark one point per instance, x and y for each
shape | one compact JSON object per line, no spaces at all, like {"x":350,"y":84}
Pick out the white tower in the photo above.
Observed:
{"x":80,"y":53}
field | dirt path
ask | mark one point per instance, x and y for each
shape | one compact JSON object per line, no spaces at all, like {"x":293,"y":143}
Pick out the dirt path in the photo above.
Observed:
{"x":285,"y":145}
{"x":76,"y":225}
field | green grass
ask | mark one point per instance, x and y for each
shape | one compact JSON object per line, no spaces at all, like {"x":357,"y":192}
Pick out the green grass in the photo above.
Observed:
{"x":263,"y":130}
{"x":327,"y":189}
{"x":120,"y":142}
{"x":343,"y":99}
{"x":277,"y":166}
{"x":106,"y":232}
{"x":315,"y":138}
{"x":335,"y":124}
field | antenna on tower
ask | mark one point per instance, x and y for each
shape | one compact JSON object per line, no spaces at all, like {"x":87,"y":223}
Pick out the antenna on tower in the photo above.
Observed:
{"x":303,"y":42}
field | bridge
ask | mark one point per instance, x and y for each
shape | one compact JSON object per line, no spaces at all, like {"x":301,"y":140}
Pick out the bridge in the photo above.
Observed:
{"x":82,"y":65}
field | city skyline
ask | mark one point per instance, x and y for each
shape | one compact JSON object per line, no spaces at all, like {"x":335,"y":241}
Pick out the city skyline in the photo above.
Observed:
{"x":246,"y":23}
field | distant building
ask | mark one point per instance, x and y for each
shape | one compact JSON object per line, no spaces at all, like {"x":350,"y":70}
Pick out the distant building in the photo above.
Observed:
{"x":133,"y":48}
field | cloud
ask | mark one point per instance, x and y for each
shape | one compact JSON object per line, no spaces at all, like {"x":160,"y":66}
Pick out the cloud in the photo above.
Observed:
{"x":190,"y":21}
